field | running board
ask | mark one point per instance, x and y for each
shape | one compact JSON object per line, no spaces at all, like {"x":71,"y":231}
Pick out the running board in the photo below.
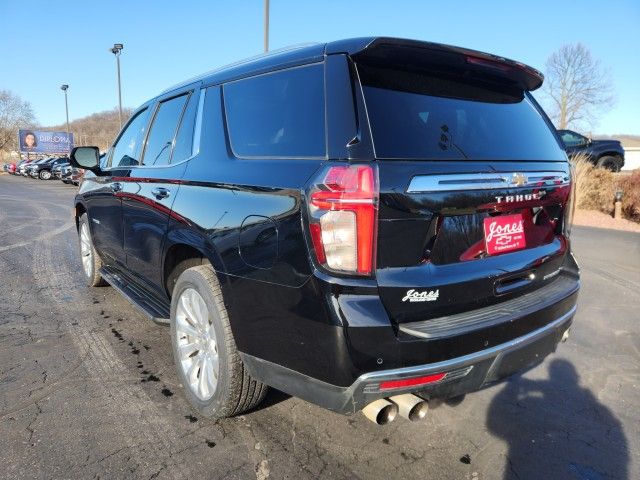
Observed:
{"x":150,"y":306}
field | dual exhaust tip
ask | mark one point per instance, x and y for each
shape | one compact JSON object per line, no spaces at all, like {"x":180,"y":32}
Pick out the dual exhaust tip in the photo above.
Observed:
{"x":385,"y":410}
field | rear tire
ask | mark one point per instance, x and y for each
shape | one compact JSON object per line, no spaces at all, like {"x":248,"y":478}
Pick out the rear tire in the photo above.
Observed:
{"x":610,"y":163}
{"x":91,"y":262}
{"x":209,"y":366}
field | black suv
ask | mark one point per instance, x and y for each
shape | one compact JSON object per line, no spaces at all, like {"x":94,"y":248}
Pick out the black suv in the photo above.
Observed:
{"x":607,"y":154}
{"x":366,"y":224}
{"x":44,"y":170}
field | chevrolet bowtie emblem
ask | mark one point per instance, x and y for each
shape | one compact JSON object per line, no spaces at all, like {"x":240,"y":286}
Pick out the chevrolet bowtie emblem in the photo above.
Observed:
{"x":519,"y":179}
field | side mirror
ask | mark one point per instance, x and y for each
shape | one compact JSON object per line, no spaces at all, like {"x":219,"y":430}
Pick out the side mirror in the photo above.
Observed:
{"x":87,"y":158}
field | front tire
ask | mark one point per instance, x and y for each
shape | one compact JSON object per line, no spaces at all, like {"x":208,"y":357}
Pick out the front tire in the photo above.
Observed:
{"x":45,"y":175}
{"x":210,"y":369}
{"x":91,"y":262}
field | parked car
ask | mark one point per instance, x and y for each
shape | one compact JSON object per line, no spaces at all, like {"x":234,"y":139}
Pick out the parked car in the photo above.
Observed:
{"x":368,"y":224}
{"x":65,"y":174}
{"x":43,"y":170}
{"x":77,"y":175}
{"x":35,"y":165}
{"x":607,"y":154}
{"x":8,"y":167}
{"x":11,"y":168}
{"x":22,"y":168}
{"x":56,"y":171}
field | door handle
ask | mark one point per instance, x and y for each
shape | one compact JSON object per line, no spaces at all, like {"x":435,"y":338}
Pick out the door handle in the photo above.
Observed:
{"x":116,"y":187}
{"x":160,"y":193}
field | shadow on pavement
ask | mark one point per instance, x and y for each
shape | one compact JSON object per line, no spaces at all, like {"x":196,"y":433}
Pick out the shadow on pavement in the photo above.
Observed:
{"x":273,"y":398}
{"x":556,"y":429}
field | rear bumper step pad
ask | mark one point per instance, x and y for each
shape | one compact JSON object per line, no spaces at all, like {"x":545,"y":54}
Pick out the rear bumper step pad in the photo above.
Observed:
{"x":452,"y":325}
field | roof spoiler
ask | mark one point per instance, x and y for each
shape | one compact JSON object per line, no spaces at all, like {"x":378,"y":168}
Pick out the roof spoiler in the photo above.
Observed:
{"x":427,"y":56}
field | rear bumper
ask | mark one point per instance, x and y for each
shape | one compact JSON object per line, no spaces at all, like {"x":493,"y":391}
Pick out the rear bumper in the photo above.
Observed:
{"x":465,"y":374}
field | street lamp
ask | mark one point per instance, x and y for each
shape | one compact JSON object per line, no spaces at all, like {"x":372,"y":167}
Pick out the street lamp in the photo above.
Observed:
{"x":116,"y":50}
{"x":64,"y":88}
{"x":266,"y":25}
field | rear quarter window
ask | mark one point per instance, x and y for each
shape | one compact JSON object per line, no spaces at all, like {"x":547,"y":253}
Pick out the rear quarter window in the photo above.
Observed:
{"x":279,"y":114}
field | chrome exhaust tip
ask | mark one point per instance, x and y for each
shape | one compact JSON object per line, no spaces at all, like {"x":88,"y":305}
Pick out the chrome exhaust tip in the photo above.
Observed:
{"x":565,"y":335}
{"x":381,"y":411}
{"x":411,"y":406}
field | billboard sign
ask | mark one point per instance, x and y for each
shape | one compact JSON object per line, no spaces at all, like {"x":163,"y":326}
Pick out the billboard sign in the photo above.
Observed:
{"x":37,"y":141}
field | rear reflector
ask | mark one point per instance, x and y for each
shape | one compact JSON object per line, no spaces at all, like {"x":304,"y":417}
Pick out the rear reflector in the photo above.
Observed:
{"x":412,"y":382}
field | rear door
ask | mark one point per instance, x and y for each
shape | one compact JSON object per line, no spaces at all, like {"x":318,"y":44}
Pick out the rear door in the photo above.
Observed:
{"x":473,"y":189}
{"x":152,"y":186}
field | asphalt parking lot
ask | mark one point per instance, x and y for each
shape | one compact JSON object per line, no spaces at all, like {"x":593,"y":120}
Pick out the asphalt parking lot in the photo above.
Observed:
{"x":88,"y":388}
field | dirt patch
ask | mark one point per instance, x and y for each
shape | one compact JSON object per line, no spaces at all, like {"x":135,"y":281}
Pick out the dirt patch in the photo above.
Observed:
{"x":593,"y":218}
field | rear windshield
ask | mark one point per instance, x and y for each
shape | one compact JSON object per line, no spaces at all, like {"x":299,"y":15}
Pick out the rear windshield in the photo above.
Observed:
{"x":418,"y":116}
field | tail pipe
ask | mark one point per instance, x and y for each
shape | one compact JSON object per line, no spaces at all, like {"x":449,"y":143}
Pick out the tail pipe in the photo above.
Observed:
{"x":411,"y":407}
{"x":381,"y":411}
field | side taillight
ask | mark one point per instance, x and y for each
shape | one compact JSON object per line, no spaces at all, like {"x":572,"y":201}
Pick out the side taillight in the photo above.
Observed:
{"x":343,"y":207}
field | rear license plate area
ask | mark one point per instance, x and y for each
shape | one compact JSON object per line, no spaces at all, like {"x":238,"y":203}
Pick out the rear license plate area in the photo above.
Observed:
{"x":504,"y":233}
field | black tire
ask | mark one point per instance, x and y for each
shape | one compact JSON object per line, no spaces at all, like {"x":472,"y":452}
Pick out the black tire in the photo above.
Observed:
{"x":177,"y":270}
{"x":45,"y":175}
{"x":610,"y":163}
{"x":235,"y":392}
{"x":94,"y":264}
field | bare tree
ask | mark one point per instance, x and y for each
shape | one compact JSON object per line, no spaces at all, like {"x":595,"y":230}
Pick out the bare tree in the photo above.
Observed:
{"x":14,"y":114}
{"x":577,"y":86}
{"x":99,"y":129}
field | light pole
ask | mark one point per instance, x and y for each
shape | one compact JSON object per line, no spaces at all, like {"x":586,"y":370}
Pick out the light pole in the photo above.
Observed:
{"x":266,"y":25}
{"x":116,"y":50}
{"x":64,"y":88}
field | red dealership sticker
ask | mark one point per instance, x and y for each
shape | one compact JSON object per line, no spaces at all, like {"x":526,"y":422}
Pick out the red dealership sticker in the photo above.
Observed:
{"x":504,"y":233}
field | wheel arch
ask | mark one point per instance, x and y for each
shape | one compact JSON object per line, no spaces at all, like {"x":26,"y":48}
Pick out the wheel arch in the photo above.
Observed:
{"x":610,"y":153}
{"x":78,"y":210}
{"x":182,"y":250}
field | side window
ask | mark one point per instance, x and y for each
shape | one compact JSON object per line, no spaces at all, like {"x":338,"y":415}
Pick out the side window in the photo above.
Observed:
{"x":184,"y":138}
{"x":572,"y":140}
{"x":127,"y":148}
{"x":277,"y":114}
{"x":163,"y":131}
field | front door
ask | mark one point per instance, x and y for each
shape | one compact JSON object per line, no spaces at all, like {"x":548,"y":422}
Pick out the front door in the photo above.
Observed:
{"x":104,"y":198}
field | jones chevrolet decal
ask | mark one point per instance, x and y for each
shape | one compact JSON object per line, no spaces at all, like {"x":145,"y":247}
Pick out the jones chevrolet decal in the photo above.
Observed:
{"x":424,"y":296}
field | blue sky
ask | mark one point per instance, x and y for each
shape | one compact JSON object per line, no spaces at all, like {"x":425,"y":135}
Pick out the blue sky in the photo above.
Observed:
{"x":46,"y":44}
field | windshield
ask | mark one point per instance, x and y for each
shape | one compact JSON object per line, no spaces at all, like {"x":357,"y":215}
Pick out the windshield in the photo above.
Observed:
{"x":416,"y":116}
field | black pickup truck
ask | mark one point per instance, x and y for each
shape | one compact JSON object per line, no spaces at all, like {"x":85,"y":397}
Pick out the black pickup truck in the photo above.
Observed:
{"x":607,"y":154}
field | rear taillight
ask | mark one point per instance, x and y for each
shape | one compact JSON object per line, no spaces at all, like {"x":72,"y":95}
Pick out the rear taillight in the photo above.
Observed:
{"x":569,"y":208}
{"x":343,"y":217}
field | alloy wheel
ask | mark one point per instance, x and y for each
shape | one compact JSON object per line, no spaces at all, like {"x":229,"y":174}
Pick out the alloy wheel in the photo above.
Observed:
{"x":197,"y":344}
{"x":86,"y":253}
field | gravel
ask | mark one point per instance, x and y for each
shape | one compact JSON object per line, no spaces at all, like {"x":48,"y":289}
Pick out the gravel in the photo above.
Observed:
{"x":593,"y":218}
